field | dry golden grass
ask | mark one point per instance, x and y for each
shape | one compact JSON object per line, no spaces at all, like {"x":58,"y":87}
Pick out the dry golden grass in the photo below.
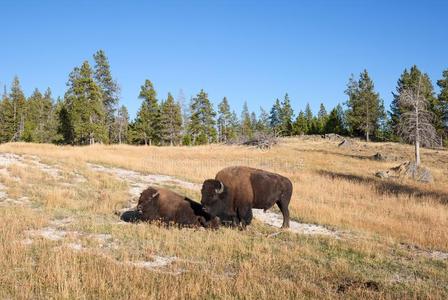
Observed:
{"x":332,"y":186}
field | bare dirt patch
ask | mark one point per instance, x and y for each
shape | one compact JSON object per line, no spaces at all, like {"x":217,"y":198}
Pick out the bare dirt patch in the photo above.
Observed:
{"x":276,"y":220}
{"x":139,"y":181}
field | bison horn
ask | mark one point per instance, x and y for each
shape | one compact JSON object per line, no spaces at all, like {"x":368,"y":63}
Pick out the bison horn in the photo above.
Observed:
{"x":155,"y":194}
{"x":221,"y":188}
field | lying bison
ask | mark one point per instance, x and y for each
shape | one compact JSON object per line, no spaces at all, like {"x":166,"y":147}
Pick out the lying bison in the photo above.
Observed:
{"x":236,"y":190}
{"x":159,"y":204}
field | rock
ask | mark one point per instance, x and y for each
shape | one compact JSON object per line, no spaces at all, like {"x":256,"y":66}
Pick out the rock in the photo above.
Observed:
{"x":407,"y":170}
{"x":345,"y":143}
{"x":332,"y":137}
{"x":382,"y":174}
{"x":378,"y":156}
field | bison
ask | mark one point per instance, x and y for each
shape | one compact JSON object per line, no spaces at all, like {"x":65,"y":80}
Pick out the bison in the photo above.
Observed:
{"x":236,"y":190}
{"x":159,"y":204}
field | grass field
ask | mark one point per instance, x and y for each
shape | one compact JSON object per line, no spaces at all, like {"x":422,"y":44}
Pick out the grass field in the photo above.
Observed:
{"x":60,"y":238}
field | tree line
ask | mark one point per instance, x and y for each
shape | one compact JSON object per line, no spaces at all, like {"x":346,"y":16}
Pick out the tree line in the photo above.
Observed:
{"x":90,"y":113}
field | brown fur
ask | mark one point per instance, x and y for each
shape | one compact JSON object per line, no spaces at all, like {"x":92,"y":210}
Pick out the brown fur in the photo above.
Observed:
{"x":245,"y":188}
{"x":159,"y":204}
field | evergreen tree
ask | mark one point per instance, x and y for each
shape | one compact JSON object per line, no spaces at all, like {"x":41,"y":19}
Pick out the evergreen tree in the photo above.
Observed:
{"x":109,"y":88}
{"x":234,"y":125}
{"x":171,"y":121}
{"x":33,"y":111}
{"x":410,"y":79}
{"x":41,"y":121}
{"x":18,"y":102}
{"x":184,"y":105}
{"x":64,"y":126}
{"x":85,"y":108}
{"x":309,"y":118}
{"x":202,"y":122}
{"x":49,"y":120}
{"x":314,"y":128}
{"x":364,"y":106}
{"x":275,"y":117}
{"x":443,"y":104}
{"x":253,"y":121}
{"x":335,"y":122}
{"x":301,"y":124}
{"x":263,"y":121}
{"x":224,"y":122}
{"x":6,"y":118}
{"x":286,"y":115}
{"x":147,"y":124}
{"x":246,"y":124}
{"x":322,"y":118}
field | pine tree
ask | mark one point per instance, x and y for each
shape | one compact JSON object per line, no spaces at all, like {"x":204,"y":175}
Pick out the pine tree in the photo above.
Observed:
{"x":147,"y":124}
{"x":275,"y":117}
{"x":51,"y":125}
{"x":34,"y":107}
{"x":202,"y":123}
{"x":301,"y":124}
{"x":335,"y":122}
{"x":171,"y":121}
{"x":322,"y":117}
{"x":314,"y":128}
{"x":235,"y":125}
{"x":109,"y":88}
{"x":184,"y":106}
{"x":6,"y":118}
{"x":253,"y":121}
{"x":40,"y":124}
{"x":263,"y":121}
{"x":410,"y":79}
{"x":246,"y":123}
{"x":364,"y":106}
{"x":309,"y":118}
{"x":18,"y":102}
{"x":85,"y":107}
{"x":225,"y":129}
{"x":443,"y":103}
{"x":64,"y":126}
{"x":286,"y":115}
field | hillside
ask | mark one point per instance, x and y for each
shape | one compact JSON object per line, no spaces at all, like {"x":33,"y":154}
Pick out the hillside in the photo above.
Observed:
{"x":354,"y":234}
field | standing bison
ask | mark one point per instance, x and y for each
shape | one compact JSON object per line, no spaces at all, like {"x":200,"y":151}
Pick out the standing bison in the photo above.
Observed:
{"x":159,"y":204}
{"x":236,"y":190}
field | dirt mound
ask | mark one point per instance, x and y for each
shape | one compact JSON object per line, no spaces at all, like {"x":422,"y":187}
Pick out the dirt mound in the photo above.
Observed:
{"x":407,"y":170}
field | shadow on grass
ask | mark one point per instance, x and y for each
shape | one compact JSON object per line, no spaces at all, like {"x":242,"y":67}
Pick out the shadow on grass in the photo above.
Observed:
{"x":389,"y":187}
{"x":326,"y":152}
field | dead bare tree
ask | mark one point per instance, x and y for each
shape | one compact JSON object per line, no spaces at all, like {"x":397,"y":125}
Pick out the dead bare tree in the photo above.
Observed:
{"x":415,"y":123}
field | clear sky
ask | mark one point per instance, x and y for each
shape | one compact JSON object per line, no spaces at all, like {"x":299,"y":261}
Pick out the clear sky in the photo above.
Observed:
{"x":252,"y":51}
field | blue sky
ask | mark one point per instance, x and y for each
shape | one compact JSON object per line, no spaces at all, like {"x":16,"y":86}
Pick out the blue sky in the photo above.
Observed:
{"x":252,"y":51}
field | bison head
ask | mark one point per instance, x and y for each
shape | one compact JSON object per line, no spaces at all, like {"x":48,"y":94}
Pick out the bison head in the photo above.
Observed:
{"x":214,"y":197}
{"x":147,"y":197}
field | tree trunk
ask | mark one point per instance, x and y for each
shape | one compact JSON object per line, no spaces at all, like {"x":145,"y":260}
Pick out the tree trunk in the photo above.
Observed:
{"x":367,"y":136}
{"x":417,"y":128}
{"x":417,"y":153}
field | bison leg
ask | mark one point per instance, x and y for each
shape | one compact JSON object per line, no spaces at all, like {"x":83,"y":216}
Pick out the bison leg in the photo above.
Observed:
{"x":283,"y":205}
{"x":245,"y":216}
